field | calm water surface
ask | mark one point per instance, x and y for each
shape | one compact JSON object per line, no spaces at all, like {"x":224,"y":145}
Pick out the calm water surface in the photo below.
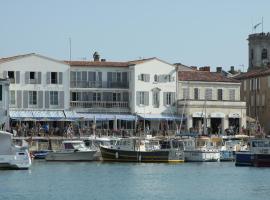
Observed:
{"x":115,"y":181}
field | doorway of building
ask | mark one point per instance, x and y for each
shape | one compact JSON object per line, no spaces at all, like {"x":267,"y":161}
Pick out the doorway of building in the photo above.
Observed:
{"x":234,"y":125}
{"x":216,"y":125}
{"x":197,"y":124}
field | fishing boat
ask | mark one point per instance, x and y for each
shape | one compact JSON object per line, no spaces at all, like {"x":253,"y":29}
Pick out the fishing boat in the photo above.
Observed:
{"x":72,"y":150}
{"x":40,"y":147}
{"x":201,"y":150}
{"x":230,"y":146}
{"x":143,"y":150}
{"x":258,"y":154}
{"x":13,"y":156}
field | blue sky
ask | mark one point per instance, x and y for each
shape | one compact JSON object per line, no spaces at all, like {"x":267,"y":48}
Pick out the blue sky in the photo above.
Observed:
{"x":200,"y":33}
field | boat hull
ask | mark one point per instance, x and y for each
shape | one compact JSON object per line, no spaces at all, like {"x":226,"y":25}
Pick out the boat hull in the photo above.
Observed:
{"x":227,"y":155}
{"x":261,"y":160}
{"x":243,"y":159}
{"x":71,"y":156}
{"x":109,"y":154}
{"x":15,"y":161}
{"x":201,"y":156}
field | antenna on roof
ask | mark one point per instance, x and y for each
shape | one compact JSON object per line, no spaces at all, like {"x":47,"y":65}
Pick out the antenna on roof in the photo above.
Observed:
{"x":69,"y":48}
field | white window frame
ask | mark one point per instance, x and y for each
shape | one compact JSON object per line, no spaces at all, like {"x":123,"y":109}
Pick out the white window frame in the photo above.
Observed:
{"x":31,"y":98}
{"x":54,"y":98}
{"x":141,"y":98}
{"x":12,"y":101}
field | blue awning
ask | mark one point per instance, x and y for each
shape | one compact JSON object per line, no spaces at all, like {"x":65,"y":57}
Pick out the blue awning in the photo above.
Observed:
{"x":37,"y":115}
{"x":21,"y":115}
{"x":73,"y":116}
{"x":105,"y":117}
{"x":160,"y":117}
{"x":48,"y":115}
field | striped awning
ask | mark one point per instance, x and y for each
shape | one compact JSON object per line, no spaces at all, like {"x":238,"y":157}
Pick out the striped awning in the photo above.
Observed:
{"x":160,"y":116}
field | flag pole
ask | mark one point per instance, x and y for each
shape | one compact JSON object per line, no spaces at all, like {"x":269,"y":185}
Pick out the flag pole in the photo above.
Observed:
{"x":262,"y":24}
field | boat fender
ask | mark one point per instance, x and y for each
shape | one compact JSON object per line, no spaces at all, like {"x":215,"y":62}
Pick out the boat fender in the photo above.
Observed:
{"x":116,"y":155}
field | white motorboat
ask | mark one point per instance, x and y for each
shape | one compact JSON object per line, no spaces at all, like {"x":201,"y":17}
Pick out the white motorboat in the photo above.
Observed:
{"x":12,"y":156}
{"x":73,"y":150}
{"x":201,"y":151}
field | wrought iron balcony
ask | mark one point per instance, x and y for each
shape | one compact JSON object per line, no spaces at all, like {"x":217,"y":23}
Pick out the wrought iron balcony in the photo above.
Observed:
{"x":99,"y":104}
{"x":98,"y":84}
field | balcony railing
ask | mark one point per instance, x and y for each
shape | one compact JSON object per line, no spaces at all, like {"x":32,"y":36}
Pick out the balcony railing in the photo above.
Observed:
{"x":99,"y":104}
{"x":98,"y":84}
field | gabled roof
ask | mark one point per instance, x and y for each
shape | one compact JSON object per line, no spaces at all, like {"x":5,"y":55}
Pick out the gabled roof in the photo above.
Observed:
{"x":204,"y":76}
{"x":253,"y":74}
{"x":7,"y":59}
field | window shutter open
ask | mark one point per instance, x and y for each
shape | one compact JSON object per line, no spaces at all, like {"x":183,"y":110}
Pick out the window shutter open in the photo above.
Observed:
{"x":48,"y":77}
{"x":19,"y":98}
{"x":40,"y":99}
{"x":164,"y":98}
{"x":60,"y":78}
{"x":146,"y":98}
{"x":39,"y":78}
{"x":27,"y":77}
{"x":18,"y":77}
{"x":47,"y":99}
{"x":25,"y":99}
{"x":137,"y":98}
{"x":61,"y":99}
{"x":5,"y":74}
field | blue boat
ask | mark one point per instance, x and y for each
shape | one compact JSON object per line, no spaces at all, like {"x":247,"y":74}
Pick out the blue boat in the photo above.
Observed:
{"x":244,"y":158}
{"x":40,"y":154}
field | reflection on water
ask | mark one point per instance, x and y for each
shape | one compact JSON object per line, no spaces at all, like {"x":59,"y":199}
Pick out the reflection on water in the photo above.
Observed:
{"x":116,"y":181}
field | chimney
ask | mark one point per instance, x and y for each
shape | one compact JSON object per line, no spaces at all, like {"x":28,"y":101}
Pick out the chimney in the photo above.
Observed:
{"x":219,"y":69}
{"x":232,"y":69}
{"x":96,"y":56}
{"x":205,"y":69}
{"x":193,"y":67}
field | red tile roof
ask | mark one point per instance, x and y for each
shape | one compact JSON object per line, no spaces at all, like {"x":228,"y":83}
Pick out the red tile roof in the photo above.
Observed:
{"x":106,"y":63}
{"x":204,"y":76}
{"x":253,"y":74}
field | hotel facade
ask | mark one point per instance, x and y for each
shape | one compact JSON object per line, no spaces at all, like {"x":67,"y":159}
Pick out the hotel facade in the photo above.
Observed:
{"x":140,"y":95}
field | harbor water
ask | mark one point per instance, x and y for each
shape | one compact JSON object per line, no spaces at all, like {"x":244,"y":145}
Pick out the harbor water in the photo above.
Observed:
{"x":116,"y":181}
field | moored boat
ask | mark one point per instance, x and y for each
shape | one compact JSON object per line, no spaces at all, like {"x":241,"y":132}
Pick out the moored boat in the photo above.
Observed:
{"x":258,"y":154}
{"x":73,"y":150}
{"x":12,"y":156}
{"x":143,"y":150}
{"x":201,"y":150}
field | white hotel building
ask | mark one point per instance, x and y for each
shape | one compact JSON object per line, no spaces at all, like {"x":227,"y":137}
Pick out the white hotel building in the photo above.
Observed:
{"x":115,"y":95}
{"x":39,"y":87}
{"x":141,"y":94}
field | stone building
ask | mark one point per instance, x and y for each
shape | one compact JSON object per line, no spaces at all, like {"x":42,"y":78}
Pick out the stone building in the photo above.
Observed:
{"x":255,"y":87}
{"x":209,"y":99}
